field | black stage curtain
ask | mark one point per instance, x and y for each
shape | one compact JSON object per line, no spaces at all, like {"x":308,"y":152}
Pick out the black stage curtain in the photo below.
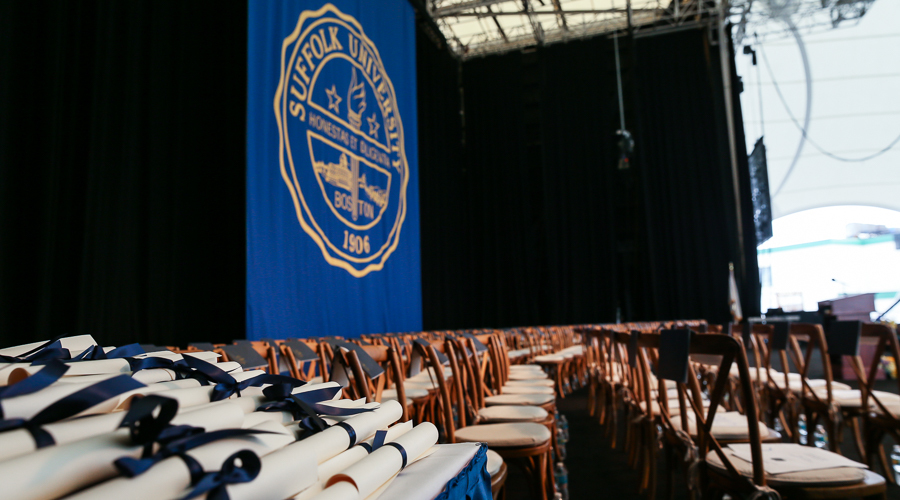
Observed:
{"x":122,"y":170}
{"x":535,"y":224}
{"x":122,"y":178}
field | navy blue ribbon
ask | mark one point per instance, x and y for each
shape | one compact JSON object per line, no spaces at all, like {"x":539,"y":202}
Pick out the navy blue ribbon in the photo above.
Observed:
{"x":131,"y":467}
{"x":35,"y":382}
{"x":52,"y":349}
{"x":96,"y":352}
{"x":351,"y":432}
{"x":214,"y":483}
{"x":399,"y":448}
{"x":70,"y":406}
{"x":226,"y":385}
{"x":378,"y":442}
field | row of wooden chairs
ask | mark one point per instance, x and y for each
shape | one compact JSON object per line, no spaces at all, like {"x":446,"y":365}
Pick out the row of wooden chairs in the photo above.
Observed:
{"x":466,"y":382}
{"x":627,"y":378}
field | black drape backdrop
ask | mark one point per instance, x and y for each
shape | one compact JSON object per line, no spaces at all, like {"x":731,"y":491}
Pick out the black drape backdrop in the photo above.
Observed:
{"x":553,"y":232}
{"x":122,"y":178}
{"x":122,"y":170}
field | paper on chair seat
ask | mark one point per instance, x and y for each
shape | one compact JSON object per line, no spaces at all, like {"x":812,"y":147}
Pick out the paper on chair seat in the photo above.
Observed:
{"x":779,"y":458}
{"x":373,"y":471}
{"x":170,"y":477}
{"x":59,"y":470}
{"x":319,"y":447}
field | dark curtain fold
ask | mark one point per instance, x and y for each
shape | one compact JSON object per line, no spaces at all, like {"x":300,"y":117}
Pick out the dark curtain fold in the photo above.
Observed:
{"x":553,"y":231}
{"x":122,"y":170}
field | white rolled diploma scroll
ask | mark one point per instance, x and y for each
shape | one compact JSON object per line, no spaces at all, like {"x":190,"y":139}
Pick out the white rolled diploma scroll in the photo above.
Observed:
{"x":76,"y":345}
{"x":257,"y":417}
{"x":191,"y":396}
{"x":59,"y":470}
{"x":333,"y":466}
{"x":382,"y":464}
{"x":170,"y":477}
{"x":21,"y":371}
{"x":19,"y":442}
{"x":277,"y":482}
{"x":29,"y":405}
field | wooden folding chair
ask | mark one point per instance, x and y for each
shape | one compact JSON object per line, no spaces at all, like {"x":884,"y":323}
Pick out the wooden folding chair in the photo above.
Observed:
{"x":726,"y":474}
{"x":528,"y":444}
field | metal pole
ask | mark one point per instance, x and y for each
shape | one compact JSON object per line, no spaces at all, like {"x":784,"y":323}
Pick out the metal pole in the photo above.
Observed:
{"x":725,"y":62}
{"x":619,"y":83}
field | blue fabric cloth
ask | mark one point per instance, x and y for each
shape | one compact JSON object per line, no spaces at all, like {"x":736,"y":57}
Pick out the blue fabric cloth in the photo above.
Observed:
{"x":472,"y":483}
{"x":332,"y":169}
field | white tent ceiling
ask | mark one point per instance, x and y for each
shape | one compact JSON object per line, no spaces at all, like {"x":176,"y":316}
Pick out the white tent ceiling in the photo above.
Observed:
{"x":855,"y":113}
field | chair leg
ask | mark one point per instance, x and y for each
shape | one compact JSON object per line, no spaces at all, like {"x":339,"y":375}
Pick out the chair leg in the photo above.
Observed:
{"x":858,"y":438}
{"x":888,"y":470}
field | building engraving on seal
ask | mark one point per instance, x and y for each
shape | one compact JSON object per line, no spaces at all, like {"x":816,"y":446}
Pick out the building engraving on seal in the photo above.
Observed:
{"x":341,"y":144}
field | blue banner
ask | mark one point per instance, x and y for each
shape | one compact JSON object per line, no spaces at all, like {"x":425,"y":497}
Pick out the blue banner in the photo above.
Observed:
{"x":332,"y":183}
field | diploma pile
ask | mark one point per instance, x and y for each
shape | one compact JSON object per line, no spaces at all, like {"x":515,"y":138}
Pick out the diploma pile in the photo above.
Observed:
{"x":82,"y":421}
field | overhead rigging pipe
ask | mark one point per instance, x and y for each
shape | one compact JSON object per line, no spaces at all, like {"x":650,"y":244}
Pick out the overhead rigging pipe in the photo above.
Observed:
{"x":725,"y":63}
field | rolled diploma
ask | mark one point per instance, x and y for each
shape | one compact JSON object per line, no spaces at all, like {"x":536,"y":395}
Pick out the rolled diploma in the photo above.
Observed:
{"x":319,"y":447}
{"x":329,"y":468}
{"x":152,"y":375}
{"x":58,"y":470}
{"x":258,"y":417}
{"x":76,"y":345}
{"x":170,"y":477}
{"x":162,"y":389}
{"x":382,"y":464}
{"x":76,"y":368}
{"x":30,"y":405}
{"x":18,"y":442}
{"x":16,"y":372}
{"x":340,"y":491}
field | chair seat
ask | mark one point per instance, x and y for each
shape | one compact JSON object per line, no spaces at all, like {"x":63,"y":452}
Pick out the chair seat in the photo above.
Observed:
{"x":411,"y":393}
{"x":428,"y":375}
{"x":518,"y":353}
{"x":544,"y":382}
{"x":519,"y":399}
{"x":728,"y":426}
{"x":494,"y":462}
{"x":497,"y":414}
{"x":838,"y":476}
{"x":527,"y":389}
{"x":852,"y":398}
{"x":525,"y":367}
{"x":674,"y":407}
{"x":796,"y":384}
{"x":419,"y":385}
{"x":507,"y":435}
{"x":527,"y":376}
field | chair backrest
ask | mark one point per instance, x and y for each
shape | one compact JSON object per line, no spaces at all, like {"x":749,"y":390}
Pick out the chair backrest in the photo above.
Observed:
{"x":445,"y":415}
{"x":301,"y":358}
{"x":731,"y":352}
{"x":885,"y":339}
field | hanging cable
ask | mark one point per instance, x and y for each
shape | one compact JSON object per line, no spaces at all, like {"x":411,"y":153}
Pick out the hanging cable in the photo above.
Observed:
{"x":808,"y":114}
{"x":803,"y":131}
